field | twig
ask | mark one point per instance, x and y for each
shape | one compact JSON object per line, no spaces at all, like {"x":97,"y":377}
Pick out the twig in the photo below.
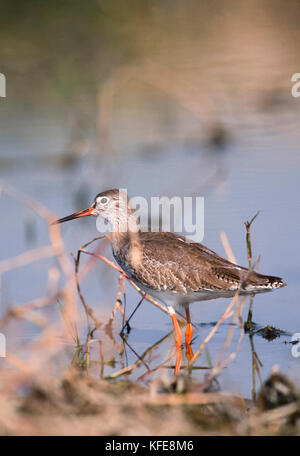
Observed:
{"x":68,"y":293}
{"x":89,"y":312}
{"x":117,"y":268}
{"x":126,"y":325}
{"x":227,"y":248}
{"x":118,"y":306}
{"x":133,"y":366}
{"x":225,"y":315}
{"x":219,"y":366}
{"x":151,"y":371}
{"x":249,"y":254}
{"x":26,"y":257}
{"x":248,"y":238}
{"x":199,"y":399}
{"x":230,"y":331}
{"x":256,"y":364}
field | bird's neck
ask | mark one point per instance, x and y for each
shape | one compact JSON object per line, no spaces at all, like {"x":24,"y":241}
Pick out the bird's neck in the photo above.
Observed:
{"x":123,"y":227}
{"x":125,"y":240}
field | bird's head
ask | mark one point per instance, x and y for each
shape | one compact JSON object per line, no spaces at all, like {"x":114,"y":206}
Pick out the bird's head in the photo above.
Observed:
{"x":111,"y":205}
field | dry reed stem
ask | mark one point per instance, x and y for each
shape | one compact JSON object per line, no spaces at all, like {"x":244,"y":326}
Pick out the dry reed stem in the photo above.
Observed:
{"x":227,"y":248}
{"x":132,"y":367}
{"x":248,"y":238}
{"x":18,"y":363}
{"x":26,"y":257}
{"x":151,"y":371}
{"x":230,"y":332}
{"x":19,"y":311}
{"x":219,"y":366}
{"x":277,"y":414}
{"x":88,"y":310}
{"x":117,"y":268}
{"x":117,"y":306}
{"x":256,"y":365}
{"x":214,"y":329}
{"x":197,"y":398}
{"x":42,"y":349}
{"x":56,"y":248}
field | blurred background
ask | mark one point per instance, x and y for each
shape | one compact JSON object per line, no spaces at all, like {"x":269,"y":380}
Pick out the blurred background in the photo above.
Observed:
{"x":162,"y":98}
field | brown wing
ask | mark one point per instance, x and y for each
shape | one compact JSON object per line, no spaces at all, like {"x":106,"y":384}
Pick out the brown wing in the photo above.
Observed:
{"x":172,"y":262}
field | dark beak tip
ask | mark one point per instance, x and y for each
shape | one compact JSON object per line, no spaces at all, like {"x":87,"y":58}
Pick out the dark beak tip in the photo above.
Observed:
{"x":55,"y":222}
{"x":84,"y":213}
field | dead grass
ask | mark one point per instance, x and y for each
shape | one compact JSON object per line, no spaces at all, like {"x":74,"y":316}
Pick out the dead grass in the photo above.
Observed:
{"x":76,"y":405}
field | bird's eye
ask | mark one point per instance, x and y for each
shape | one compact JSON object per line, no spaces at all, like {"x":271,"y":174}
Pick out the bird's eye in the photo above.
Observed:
{"x":103,"y":200}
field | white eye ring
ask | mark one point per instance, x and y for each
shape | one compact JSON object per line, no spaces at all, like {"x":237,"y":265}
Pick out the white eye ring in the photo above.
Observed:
{"x":103,"y":200}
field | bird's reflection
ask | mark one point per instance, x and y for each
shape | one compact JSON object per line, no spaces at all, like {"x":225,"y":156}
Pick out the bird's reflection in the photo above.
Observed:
{"x":115,"y":349}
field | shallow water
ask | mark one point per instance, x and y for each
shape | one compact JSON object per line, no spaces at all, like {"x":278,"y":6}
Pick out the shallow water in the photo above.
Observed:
{"x":194,"y":118}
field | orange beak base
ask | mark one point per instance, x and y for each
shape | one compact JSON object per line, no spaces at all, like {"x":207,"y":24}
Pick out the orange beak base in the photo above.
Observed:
{"x":84,"y":213}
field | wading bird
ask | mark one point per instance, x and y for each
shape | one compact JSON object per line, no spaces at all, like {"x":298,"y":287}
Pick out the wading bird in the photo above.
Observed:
{"x":169,"y":267}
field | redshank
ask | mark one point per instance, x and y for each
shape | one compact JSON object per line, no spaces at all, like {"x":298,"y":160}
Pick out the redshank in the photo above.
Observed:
{"x":169,"y":267}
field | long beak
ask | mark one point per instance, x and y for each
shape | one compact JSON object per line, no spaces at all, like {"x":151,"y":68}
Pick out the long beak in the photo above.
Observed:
{"x":84,"y":213}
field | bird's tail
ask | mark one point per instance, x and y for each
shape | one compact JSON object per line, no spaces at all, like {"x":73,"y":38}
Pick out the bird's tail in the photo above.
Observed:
{"x":264,"y":281}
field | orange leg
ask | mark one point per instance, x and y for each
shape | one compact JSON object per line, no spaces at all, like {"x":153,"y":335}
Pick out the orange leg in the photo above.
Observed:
{"x":189,"y":327}
{"x":178,"y":341}
{"x":179,"y":358}
{"x":188,"y":335}
{"x":178,"y":333}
